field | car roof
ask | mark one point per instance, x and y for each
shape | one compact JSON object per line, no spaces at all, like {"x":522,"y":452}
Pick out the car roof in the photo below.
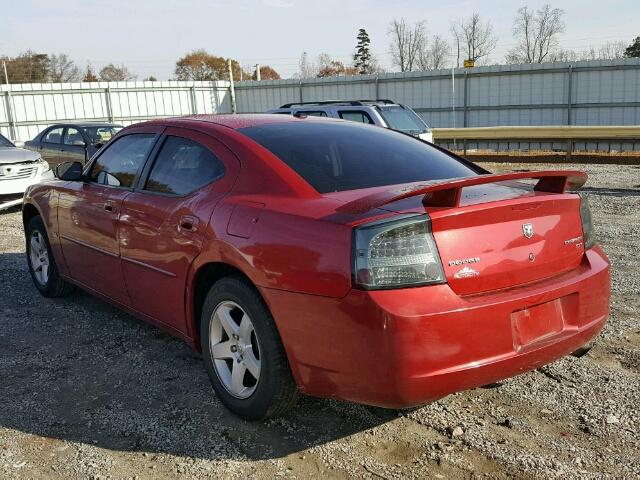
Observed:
{"x":236,"y":121}
{"x":341,"y":103}
{"x":86,"y":124}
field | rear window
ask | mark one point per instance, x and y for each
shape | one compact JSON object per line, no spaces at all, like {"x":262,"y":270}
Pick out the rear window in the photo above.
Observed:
{"x":402,"y":119}
{"x":333,"y":157}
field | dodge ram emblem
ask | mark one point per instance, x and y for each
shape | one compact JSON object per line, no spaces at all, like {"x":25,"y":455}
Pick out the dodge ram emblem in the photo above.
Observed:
{"x":527,"y":229}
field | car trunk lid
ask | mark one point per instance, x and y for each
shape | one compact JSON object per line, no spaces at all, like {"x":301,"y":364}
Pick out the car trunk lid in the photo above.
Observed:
{"x":507,"y":243}
{"x":495,"y":236}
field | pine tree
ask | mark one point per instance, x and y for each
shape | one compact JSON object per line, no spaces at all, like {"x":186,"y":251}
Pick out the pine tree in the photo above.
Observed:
{"x":633,"y":50}
{"x":362,"y":57}
{"x":90,"y":76}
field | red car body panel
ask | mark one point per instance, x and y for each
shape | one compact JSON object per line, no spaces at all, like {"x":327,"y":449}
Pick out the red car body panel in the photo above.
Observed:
{"x":420,"y":344}
{"x":394,"y":348}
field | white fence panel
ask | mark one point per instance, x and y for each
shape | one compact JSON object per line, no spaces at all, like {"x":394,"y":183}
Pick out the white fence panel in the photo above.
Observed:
{"x":25,"y":109}
{"x":583,"y":93}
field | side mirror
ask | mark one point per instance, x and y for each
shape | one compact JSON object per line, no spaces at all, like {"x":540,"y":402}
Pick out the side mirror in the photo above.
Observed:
{"x":70,"y":171}
{"x":98,"y":145}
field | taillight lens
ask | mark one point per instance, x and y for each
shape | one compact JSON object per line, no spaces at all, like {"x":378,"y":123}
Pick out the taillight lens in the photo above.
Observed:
{"x":396,"y":253}
{"x":588,"y":232}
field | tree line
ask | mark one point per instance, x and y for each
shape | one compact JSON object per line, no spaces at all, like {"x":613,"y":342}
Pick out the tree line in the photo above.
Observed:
{"x":33,"y":67}
{"x":536,"y":35}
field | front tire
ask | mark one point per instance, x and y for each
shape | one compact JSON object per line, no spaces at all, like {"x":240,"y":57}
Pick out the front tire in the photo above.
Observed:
{"x":243,"y":354}
{"x":42,"y":266}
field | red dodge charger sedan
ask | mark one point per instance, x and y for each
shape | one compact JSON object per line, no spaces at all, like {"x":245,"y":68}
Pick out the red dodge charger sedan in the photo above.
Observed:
{"x":324,"y":257}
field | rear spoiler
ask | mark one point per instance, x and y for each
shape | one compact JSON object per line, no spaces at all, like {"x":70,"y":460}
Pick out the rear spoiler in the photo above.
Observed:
{"x":449,"y":192}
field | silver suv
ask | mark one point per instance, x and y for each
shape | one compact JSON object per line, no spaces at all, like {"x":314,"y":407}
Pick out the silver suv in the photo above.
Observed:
{"x":383,"y":113}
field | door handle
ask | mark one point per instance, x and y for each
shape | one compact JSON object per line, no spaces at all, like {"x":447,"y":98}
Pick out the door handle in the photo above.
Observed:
{"x":188,"y":223}
{"x":110,"y":207}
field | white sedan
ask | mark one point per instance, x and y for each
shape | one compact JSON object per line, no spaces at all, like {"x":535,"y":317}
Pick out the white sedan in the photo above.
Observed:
{"x":19,"y":168}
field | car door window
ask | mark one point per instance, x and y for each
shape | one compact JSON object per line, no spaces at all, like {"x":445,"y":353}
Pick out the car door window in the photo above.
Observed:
{"x":312,"y":113}
{"x":119,"y":164}
{"x":183,"y":166}
{"x":73,"y":137}
{"x":355,"y":116}
{"x":53,"y":136}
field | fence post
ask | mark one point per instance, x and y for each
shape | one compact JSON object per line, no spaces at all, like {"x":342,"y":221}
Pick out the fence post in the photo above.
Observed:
{"x":569,"y":107}
{"x":465,"y":110}
{"x":569,"y":94}
{"x":232,"y":90}
{"x":300,"y":90}
{"x":465,"y":120}
{"x":107,"y":98}
{"x":377,"y":87}
{"x":10,"y":119}
{"x":215,"y":101}
{"x":192,"y":94}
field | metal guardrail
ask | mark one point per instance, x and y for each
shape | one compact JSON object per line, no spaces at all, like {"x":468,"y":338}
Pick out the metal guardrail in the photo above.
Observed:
{"x":621,"y":143}
{"x":570,"y":133}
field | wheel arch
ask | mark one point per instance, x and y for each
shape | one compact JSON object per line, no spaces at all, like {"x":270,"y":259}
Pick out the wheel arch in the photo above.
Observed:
{"x":29,"y":211}
{"x":204,"y":278}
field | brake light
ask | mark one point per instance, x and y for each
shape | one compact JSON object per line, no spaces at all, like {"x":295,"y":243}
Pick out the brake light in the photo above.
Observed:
{"x":588,"y":232}
{"x":397,"y":253}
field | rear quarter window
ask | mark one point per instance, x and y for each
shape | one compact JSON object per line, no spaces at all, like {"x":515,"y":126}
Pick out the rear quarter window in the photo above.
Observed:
{"x":333,"y":157}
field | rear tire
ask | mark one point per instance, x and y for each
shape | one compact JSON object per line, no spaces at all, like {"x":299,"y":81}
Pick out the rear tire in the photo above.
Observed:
{"x":243,"y":353}
{"x":42,"y":265}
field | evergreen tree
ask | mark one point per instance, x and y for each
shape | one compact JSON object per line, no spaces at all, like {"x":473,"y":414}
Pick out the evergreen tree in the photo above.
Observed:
{"x":633,"y":50}
{"x":362,"y":57}
{"x":89,"y":76}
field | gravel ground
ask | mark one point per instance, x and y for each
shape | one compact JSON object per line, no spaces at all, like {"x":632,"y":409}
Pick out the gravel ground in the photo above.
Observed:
{"x":90,"y":392}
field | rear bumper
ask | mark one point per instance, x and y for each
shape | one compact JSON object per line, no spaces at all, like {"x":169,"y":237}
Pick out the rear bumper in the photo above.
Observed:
{"x":399,"y":348}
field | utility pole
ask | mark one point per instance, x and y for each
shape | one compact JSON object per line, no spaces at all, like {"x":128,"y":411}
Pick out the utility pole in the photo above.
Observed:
{"x":232,"y":90}
{"x":12,"y":126}
{"x":257,"y":72}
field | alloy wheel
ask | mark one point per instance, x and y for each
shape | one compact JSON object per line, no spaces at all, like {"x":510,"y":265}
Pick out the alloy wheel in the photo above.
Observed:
{"x":39,"y":257}
{"x":235,"y":349}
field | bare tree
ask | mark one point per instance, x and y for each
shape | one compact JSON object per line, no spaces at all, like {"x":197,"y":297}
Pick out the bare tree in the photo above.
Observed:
{"x":330,"y":67}
{"x":612,"y":50}
{"x":407,"y":43}
{"x":474,"y":36}
{"x":306,"y":68}
{"x":537,"y":34}
{"x":562,"y":55}
{"x":607,"y":51}
{"x":116,"y":73}
{"x":435,"y":55}
{"x":62,"y":69}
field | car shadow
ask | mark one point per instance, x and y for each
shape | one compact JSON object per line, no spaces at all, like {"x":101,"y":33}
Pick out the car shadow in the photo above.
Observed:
{"x":78,"y":369}
{"x":613,"y":192}
{"x":12,"y":209}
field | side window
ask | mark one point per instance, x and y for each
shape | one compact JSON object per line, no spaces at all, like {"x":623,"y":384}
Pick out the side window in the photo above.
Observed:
{"x":53,"y":136}
{"x":119,"y":164}
{"x":313,"y":113}
{"x":183,"y":166}
{"x":73,"y":137}
{"x":355,"y":116}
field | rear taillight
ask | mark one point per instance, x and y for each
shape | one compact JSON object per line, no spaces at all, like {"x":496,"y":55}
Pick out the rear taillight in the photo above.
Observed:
{"x":397,"y":253}
{"x":588,"y":232}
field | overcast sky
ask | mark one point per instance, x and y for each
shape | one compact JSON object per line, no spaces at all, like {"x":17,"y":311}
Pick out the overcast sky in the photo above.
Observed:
{"x":149,"y":35}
